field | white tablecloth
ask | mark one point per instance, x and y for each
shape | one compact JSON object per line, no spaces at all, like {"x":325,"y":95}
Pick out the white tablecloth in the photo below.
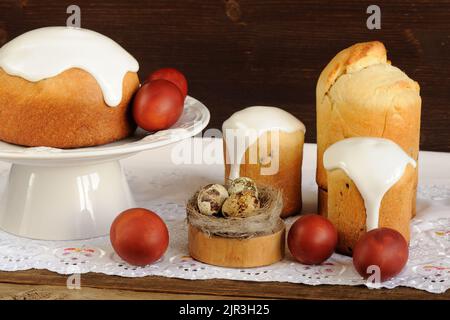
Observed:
{"x":163,"y":186}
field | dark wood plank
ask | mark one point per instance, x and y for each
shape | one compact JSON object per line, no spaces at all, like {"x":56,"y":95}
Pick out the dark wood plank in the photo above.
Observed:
{"x":238,"y":53}
{"x":248,"y":289}
{"x":10,"y":291}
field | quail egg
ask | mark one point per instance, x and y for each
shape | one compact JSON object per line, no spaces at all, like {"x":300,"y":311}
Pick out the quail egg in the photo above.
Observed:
{"x":210,"y":199}
{"x":242,"y":204}
{"x":241,"y":184}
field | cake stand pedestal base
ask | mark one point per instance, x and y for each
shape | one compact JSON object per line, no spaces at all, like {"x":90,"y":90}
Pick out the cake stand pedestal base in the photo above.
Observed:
{"x":64,"y":202}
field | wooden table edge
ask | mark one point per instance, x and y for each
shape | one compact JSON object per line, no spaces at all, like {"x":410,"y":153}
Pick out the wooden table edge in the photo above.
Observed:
{"x":218,"y":287}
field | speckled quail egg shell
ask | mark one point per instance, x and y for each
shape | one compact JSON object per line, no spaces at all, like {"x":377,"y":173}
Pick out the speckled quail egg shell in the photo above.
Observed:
{"x":210,"y":199}
{"x":242,"y":204}
{"x":241,"y":184}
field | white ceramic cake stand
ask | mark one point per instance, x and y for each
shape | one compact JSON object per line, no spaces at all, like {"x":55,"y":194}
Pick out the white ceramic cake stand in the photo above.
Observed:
{"x":56,"y":194}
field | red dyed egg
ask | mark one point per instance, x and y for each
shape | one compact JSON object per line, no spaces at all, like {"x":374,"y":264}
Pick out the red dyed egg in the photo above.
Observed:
{"x":312,"y":239}
{"x":382,"y":248}
{"x":172,"y":75}
{"x":157,"y":105}
{"x":139,"y":236}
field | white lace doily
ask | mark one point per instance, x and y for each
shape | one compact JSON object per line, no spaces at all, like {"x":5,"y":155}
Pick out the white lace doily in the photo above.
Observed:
{"x":164,"y":189}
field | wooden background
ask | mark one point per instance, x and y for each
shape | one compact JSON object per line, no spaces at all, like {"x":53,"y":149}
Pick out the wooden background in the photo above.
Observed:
{"x":238,"y":53}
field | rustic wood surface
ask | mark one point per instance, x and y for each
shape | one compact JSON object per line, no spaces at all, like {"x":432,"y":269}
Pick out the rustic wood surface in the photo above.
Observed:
{"x":41,"y":283}
{"x":48,"y":292}
{"x":238,"y":53}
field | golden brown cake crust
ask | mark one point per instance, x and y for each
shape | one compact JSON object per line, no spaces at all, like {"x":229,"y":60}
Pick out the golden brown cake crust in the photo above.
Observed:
{"x":347,"y":212}
{"x":360,"y":94}
{"x":65,"y":111}
{"x":289,"y":176}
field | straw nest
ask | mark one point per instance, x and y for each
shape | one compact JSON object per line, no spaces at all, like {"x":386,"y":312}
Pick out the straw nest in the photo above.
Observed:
{"x":266,"y":221}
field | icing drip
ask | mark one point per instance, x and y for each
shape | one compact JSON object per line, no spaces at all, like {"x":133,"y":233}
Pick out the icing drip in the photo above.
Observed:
{"x":44,"y":53}
{"x":244,"y":127}
{"x":373,"y":164}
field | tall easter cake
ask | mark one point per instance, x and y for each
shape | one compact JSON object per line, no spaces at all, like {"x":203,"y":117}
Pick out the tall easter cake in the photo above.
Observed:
{"x":368,"y":121}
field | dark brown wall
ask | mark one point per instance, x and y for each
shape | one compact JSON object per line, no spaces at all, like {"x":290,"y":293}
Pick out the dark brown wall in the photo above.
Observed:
{"x":238,"y":53}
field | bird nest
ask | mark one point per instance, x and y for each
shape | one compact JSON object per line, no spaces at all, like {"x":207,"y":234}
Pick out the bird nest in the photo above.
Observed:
{"x":266,"y":219}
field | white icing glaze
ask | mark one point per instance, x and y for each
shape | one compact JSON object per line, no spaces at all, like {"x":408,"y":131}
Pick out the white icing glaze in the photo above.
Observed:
{"x":44,"y":53}
{"x":373,"y":164}
{"x":248,"y":124}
